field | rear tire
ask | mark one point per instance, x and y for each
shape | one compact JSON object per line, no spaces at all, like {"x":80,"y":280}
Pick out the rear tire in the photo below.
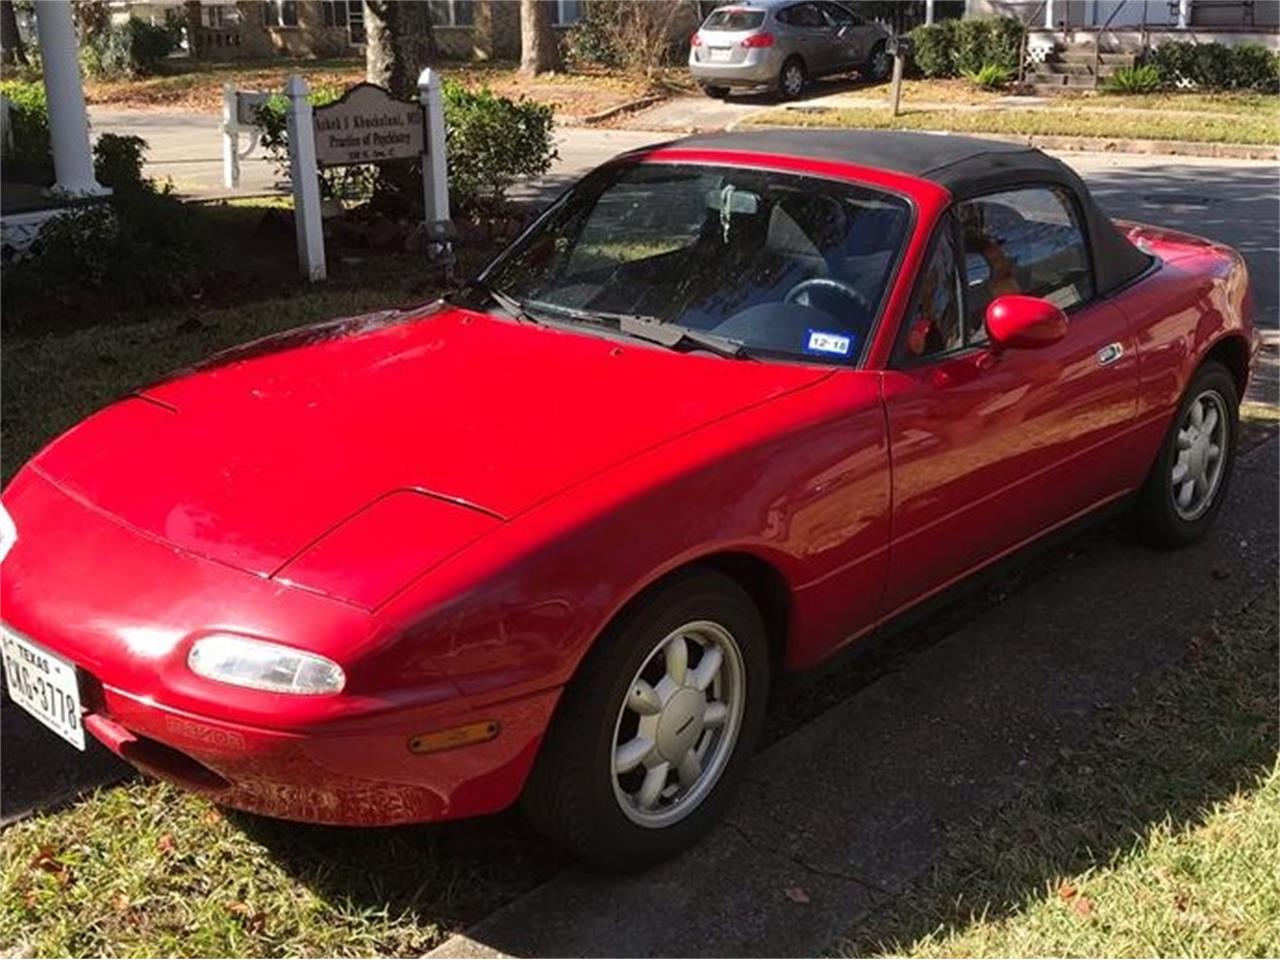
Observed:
{"x":616,"y":781}
{"x":792,"y":78}
{"x":716,"y":93}
{"x":1188,"y":482}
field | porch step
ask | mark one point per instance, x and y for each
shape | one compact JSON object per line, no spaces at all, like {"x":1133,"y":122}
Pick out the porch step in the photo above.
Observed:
{"x":1085,"y":55}
{"x":1052,"y":71}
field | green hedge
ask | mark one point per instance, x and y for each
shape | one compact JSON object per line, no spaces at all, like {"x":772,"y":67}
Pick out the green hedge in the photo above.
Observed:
{"x":131,"y":49}
{"x":1214,"y":66}
{"x":951,"y":48}
{"x":29,"y":121}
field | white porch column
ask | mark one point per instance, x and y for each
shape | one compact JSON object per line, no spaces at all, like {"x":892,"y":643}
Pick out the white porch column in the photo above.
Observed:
{"x":1048,"y":14}
{"x":928,"y":11}
{"x":68,"y":121}
{"x":1184,"y":14}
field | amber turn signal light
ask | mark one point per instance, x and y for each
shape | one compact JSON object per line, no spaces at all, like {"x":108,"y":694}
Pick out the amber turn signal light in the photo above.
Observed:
{"x":454,"y":737}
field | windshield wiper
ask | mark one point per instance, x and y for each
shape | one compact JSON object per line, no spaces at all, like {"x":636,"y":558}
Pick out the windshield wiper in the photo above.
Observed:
{"x":676,"y":336}
{"x":509,"y":304}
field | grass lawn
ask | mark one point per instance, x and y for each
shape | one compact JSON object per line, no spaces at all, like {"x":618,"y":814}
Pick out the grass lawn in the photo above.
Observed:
{"x":1064,"y":121}
{"x":1158,"y":836}
{"x":1241,"y":102}
{"x":197,"y":85}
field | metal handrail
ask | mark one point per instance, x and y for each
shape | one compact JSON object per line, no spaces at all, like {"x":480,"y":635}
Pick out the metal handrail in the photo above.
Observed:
{"x":1097,"y":40}
{"x":1022,"y":50}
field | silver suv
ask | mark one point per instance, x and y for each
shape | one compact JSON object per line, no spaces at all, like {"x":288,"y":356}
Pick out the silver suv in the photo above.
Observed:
{"x":782,"y":44}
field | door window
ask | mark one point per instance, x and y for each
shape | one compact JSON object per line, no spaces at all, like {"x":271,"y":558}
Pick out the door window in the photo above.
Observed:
{"x":933,"y":322}
{"x":1026,"y":241}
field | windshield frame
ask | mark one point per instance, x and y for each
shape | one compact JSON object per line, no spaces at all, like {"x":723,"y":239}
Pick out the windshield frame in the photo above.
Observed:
{"x":794,"y":166}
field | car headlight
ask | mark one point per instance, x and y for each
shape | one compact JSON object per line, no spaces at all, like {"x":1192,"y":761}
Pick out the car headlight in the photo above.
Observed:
{"x":264,"y":666}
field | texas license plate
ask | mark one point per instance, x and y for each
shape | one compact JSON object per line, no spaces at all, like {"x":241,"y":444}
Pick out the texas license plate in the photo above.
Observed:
{"x":720,"y":54}
{"x":43,"y":684}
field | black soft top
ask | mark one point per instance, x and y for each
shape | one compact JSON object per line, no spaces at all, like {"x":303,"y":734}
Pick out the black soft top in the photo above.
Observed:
{"x":965,"y":166}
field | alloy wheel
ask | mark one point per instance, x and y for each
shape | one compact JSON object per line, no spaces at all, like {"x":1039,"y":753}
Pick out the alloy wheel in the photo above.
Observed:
{"x":679,"y":723}
{"x":1201,"y":455}
{"x":792,"y":79}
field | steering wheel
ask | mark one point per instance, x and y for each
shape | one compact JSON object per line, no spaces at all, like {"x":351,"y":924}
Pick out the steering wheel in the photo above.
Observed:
{"x":826,"y":283}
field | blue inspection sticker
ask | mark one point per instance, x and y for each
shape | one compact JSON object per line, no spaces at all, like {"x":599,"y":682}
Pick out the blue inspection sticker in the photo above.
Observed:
{"x":820,"y":341}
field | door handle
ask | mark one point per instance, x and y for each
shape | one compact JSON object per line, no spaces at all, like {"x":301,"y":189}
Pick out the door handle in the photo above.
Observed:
{"x":1110,"y":354}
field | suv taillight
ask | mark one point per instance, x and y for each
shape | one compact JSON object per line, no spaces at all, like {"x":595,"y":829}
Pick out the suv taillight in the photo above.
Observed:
{"x":758,"y":40}
{"x":696,"y":39}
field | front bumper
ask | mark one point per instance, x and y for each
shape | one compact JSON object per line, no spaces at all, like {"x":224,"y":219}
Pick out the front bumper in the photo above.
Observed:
{"x":123,"y":606}
{"x":364,"y":776}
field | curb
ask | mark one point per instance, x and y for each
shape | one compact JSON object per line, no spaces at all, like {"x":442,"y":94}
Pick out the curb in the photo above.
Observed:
{"x":586,"y":120}
{"x":1175,"y":148}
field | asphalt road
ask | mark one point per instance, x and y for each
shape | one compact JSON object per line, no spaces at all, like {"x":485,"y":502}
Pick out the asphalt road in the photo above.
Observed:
{"x":1230,"y":201}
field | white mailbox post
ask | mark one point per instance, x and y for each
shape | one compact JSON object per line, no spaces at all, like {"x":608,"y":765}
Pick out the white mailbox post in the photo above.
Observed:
{"x":239,"y":109}
{"x":366,"y":125}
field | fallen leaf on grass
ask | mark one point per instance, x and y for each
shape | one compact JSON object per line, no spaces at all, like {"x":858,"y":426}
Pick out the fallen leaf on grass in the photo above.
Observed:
{"x":797,"y":894}
{"x":1067,"y":891}
{"x":1083,"y":906}
{"x":165,"y":844}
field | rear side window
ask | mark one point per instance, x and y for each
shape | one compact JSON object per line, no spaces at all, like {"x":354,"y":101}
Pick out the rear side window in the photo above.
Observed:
{"x":730,"y":19}
{"x":803,"y":15}
{"x":1026,"y":241}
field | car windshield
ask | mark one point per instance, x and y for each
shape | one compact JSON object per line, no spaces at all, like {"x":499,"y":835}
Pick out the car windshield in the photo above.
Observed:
{"x":782,"y":264}
{"x":734,"y":20}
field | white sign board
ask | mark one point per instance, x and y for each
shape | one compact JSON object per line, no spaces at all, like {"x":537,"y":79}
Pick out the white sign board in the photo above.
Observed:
{"x":368,"y":125}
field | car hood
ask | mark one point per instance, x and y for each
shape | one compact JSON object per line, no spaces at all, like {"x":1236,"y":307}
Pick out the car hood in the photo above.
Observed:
{"x":259,"y":452}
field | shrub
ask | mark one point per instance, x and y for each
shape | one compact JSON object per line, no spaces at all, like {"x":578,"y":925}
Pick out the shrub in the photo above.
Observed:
{"x":1254,"y":67}
{"x":970,"y":50}
{"x":1145,"y":79}
{"x":955,"y":47}
{"x":1213,"y":66}
{"x":28,"y":120}
{"x":933,"y":45}
{"x":117,"y":162}
{"x":142,"y":246}
{"x":992,"y":76}
{"x":633,"y":34}
{"x":492,"y":141}
{"x":1174,"y":61}
{"x":131,"y":49}
{"x":1004,"y":43}
{"x":592,"y":40}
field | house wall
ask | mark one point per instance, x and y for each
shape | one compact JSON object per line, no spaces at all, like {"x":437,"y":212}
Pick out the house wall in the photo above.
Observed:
{"x":1225,"y":15}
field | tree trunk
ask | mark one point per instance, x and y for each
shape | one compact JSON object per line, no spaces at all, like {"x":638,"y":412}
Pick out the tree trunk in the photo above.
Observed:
{"x":399,"y":43}
{"x":12,"y":51}
{"x":539,"y":46}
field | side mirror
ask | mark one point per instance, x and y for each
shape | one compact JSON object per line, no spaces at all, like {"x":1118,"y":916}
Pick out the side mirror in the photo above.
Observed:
{"x":1024,"y":323}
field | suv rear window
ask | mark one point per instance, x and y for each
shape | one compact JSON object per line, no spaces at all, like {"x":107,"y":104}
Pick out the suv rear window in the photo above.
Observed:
{"x":734,"y":20}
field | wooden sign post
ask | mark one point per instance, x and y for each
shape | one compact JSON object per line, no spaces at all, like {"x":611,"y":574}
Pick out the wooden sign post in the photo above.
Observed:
{"x":365,"y":125}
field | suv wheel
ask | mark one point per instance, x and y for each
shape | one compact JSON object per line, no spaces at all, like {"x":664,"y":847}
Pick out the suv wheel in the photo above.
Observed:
{"x":791,"y":79}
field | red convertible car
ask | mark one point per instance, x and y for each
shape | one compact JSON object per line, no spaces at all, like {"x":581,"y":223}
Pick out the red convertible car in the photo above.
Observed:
{"x":729,"y":405}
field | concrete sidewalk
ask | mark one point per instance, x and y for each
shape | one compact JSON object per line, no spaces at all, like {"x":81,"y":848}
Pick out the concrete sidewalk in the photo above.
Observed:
{"x":837,"y":817}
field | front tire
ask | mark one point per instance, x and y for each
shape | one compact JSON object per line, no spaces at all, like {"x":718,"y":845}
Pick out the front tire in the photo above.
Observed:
{"x":654,"y":733}
{"x":1188,"y":482}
